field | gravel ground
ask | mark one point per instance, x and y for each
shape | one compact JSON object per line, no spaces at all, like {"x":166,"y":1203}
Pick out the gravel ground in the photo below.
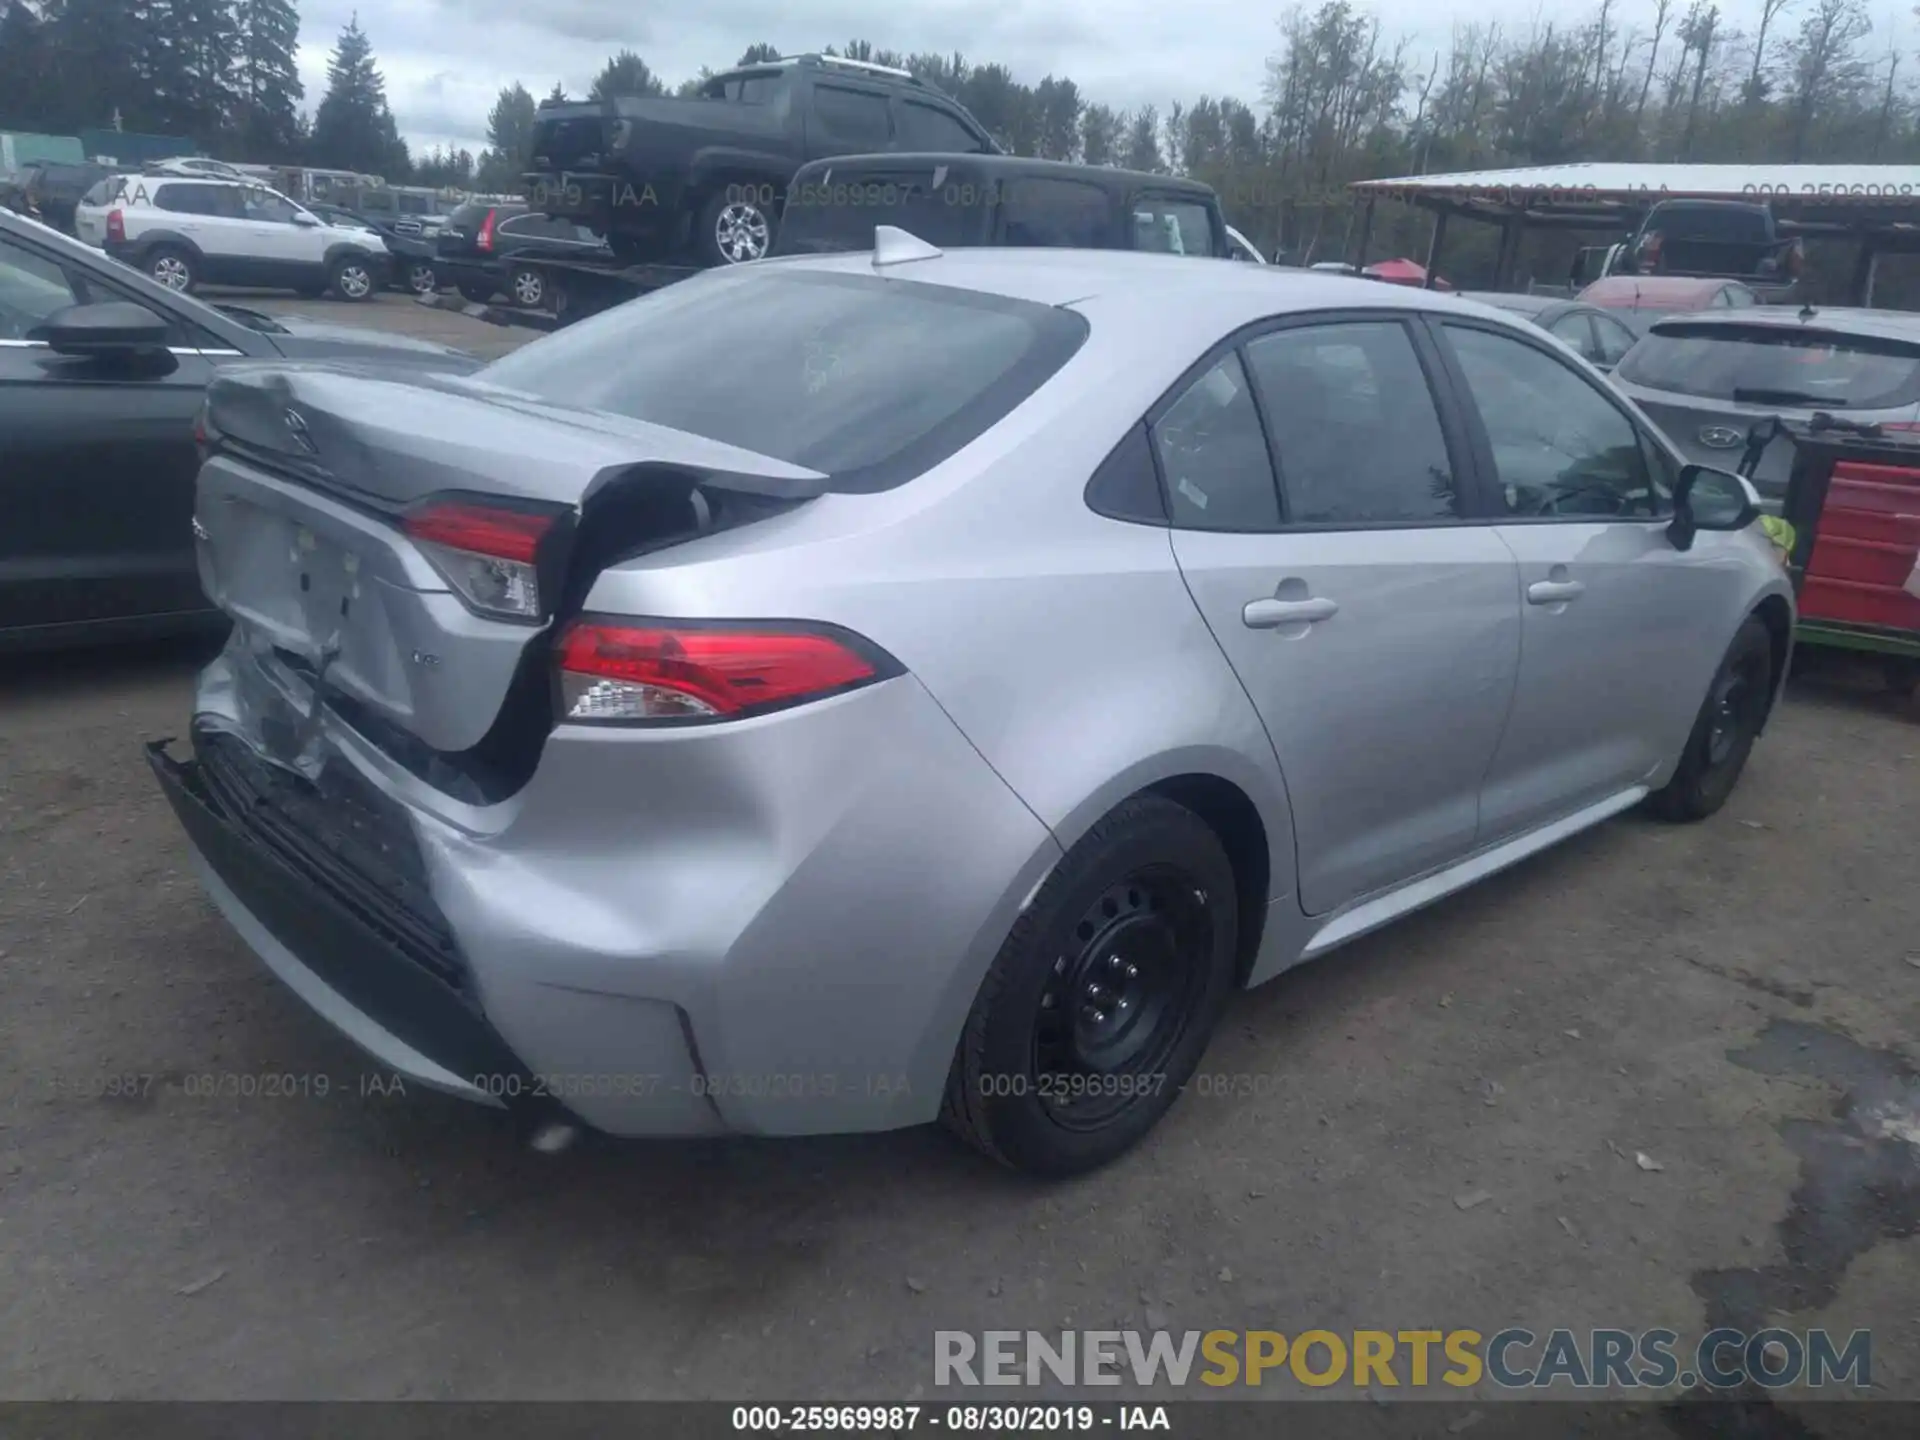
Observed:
{"x":1738,"y":1001}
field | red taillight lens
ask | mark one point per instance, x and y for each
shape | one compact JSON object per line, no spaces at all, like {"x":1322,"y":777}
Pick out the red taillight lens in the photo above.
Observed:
{"x":625,"y":672}
{"x":489,"y":554}
{"x":116,"y":225}
{"x":484,"y":239}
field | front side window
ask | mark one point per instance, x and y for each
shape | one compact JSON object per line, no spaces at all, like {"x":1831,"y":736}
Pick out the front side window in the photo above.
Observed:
{"x":1178,"y":227}
{"x":1614,"y":339}
{"x":868,"y":380}
{"x":267,"y":207}
{"x":1213,"y":455}
{"x":1354,"y":425}
{"x":31,"y":289}
{"x":1561,"y":449}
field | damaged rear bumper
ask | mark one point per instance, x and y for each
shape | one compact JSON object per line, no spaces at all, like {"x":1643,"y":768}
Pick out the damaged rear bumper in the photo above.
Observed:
{"x":336,"y":949}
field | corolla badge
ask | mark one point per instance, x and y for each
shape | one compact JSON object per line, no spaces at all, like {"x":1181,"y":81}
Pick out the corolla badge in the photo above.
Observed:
{"x":1720,"y":437}
{"x":297,"y":426}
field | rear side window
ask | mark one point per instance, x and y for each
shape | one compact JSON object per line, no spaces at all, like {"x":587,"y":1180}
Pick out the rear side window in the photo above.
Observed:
{"x":743,"y":89}
{"x":186,"y":198}
{"x":851,"y":118}
{"x":1037,"y":210}
{"x":1213,"y":455}
{"x":923,"y":127}
{"x":1354,"y":424}
{"x":868,"y":380}
{"x":1765,"y":365}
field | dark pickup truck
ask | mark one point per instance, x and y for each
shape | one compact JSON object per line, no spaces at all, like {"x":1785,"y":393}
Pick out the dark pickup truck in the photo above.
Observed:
{"x":1715,"y":239}
{"x":657,"y":176}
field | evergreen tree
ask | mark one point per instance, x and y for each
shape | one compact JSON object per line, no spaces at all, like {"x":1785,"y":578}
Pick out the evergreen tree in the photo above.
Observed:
{"x":186,"y":62}
{"x":353,"y":129}
{"x":26,"y":94}
{"x":757,"y":55}
{"x":97,"y":52}
{"x":509,"y":134}
{"x":266,"y":79}
{"x":626,"y":74}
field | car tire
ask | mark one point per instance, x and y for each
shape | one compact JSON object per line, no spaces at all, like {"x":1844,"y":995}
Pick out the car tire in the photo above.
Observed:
{"x":476,"y":291}
{"x":421,"y":279}
{"x":1141,"y":916}
{"x":528,"y":287}
{"x":1723,"y":734}
{"x":173,"y":267}
{"x":350,"y":278}
{"x":733,"y":229}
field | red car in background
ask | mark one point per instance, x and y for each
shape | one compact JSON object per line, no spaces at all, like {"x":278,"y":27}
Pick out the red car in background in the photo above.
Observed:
{"x":1639,"y":300}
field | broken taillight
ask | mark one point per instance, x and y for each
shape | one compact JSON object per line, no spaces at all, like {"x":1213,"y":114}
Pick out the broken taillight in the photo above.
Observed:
{"x":638,"y":671}
{"x":489,"y":553}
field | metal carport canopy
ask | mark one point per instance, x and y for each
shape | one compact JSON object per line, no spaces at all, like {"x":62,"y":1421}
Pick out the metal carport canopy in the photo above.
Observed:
{"x":1605,"y":193}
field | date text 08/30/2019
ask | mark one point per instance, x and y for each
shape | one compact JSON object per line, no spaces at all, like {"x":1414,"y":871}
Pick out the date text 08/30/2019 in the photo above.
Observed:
{"x":959,"y":1419}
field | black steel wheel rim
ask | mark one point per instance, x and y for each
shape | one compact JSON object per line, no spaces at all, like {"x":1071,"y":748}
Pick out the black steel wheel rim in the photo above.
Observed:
{"x":1122,"y":992}
{"x":1738,"y":692}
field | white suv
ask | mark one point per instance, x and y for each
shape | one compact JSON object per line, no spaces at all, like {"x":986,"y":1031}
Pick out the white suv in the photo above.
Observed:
{"x":184,"y":232}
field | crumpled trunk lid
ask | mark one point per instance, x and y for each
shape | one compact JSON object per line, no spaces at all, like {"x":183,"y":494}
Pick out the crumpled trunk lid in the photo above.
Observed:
{"x":299,"y":519}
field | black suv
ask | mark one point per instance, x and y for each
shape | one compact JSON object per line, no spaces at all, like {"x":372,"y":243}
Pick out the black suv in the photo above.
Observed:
{"x":965,"y":200}
{"x":711,"y":171}
{"x":475,"y":251}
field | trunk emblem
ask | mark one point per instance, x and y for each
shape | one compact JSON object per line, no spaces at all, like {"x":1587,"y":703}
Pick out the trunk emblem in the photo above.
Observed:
{"x":1719,"y":437}
{"x":297,"y":426}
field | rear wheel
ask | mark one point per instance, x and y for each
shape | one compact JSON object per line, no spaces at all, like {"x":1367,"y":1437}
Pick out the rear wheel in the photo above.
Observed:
{"x":351,"y":278}
{"x":1100,"y":1003}
{"x":1724,"y":732}
{"x":528,"y":287}
{"x":734,"y":227}
{"x":172,"y":267}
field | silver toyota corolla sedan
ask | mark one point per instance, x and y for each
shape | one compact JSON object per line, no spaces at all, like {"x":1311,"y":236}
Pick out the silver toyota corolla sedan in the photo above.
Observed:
{"x":840,"y":693}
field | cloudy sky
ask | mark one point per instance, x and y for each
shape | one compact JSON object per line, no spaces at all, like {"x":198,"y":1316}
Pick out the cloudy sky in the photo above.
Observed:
{"x":446,"y":60}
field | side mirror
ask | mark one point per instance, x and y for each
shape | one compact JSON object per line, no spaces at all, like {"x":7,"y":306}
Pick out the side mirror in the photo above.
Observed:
{"x":301,"y":217}
{"x":1714,"y":500}
{"x":108,"y":329}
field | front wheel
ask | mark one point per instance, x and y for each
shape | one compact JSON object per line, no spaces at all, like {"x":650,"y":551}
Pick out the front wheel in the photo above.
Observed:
{"x":1723,"y":733}
{"x":1099,"y":1005}
{"x":421,"y":279}
{"x":351,"y":278}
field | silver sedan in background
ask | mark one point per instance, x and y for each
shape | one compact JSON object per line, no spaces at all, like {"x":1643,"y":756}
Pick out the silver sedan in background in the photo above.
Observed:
{"x":1708,"y":379}
{"x":839,"y":693}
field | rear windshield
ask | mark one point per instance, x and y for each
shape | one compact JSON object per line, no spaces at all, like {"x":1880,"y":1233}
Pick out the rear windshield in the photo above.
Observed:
{"x":1767,"y":366}
{"x":866,"y":379}
{"x":836,"y":209}
{"x":1738,"y":225}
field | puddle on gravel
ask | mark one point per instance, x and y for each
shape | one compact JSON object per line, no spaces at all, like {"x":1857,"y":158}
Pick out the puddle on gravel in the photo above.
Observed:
{"x":1859,"y":1185}
{"x":1859,"y":1174}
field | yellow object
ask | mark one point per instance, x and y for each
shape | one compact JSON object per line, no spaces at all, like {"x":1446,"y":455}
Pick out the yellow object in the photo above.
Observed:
{"x":1780,"y":533}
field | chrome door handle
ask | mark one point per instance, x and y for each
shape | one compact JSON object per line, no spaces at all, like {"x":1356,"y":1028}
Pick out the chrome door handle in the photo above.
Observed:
{"x":1553,"y":592}
{"x":1269,"y":613}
